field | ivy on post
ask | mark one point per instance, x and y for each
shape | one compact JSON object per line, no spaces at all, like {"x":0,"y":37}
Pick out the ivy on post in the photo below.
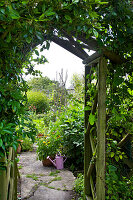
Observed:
{"x":100,"y":161}
{"x":87,"y":145}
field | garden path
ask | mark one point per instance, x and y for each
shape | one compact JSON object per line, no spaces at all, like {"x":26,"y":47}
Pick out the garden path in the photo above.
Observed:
{"x":44,"y":183}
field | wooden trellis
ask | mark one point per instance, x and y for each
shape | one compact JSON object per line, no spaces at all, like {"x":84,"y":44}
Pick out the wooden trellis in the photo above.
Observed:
{"x":8,"y":177}
{"x":94,"y":158}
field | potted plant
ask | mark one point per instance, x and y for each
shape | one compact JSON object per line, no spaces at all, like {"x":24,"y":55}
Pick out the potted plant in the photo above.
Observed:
{"x":19,"y":146}
{"x":46,"y":148}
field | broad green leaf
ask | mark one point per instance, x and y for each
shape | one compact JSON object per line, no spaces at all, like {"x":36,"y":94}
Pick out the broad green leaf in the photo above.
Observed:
{"x":68,"y":18}
{"x":25,"y":2}
{"x":87,"y":108}
{"x":39,"y":35}
{"x":95,"y":33}
{"x":36,"y":52}
{"x":15,"y":147}
{"x":91,"y":119}
{"x":9,"y":37}
{"x":117,"y":158}
{"x":75,"y":1}
{"x":7,"y":131}
{"x":2,"y":10}
{"x":112,"y":154}
{"x":47,"y":45}
{"x":49,"y":13}
{"x":1,"y":142}
{"x":43,"y":8}
{"x":13,"y":13}
{"x":1,"y":125}
{"x":112,"y":168}
{"x":120,"y":156}
{"x":28,"y":40}
{"x":42,"y":16}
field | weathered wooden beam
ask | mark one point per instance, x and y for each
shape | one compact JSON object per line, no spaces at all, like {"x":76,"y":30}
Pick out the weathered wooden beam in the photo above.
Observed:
{"x":94,"y":58}
{"x":3,"y":179}
{"x":15,"y":176}
{"x":9,"y":166}
{"x":100,"y":160}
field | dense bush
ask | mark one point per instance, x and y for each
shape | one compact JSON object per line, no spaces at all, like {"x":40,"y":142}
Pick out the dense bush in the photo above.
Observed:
{"x":37,"y":101}
{"x":118,"y":187}
{"x":72,"y":128}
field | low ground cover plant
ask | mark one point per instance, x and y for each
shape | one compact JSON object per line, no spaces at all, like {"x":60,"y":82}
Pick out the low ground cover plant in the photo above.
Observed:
{"x":27,"y":144}
{"x":79,"y":186}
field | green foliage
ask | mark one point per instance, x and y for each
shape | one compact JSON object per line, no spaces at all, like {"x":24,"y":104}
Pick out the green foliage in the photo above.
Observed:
{"x":24,"y":25}
{"x":79,"y":186}
{"x":38,"y":101}
{"x":41,"y":84}
{"x":27,"y":144}
{"x":78,"y":84}
{"x":67,"y":133}
{"x":72,"y":129}
{"x":118,"y":187}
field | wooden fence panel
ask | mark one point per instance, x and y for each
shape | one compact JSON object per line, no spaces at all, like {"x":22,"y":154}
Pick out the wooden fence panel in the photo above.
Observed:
{"x":8,"y":176}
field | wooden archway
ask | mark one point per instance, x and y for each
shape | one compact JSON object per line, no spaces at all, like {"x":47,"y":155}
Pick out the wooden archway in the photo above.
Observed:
{"x":77,"y":49}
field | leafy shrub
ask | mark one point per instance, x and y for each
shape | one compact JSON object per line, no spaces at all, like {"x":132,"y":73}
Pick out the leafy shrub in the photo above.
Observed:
{"x":118,"y":187}
{"x":37,"y":101}
{"x":79,"y":186}
{"x":68,"y":131}
{"x":27,"y":144}
{"x":72,"y":128}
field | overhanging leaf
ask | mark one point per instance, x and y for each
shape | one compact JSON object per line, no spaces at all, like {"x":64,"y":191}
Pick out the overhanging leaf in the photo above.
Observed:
{"x":13,"y":13}
{"x":9,"y":37}
{"x":91,"y":119}
{"x":112,"y":154}
{"x":1,"y":142}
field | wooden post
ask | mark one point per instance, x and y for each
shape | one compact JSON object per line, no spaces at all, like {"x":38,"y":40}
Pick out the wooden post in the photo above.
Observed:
{"x":87,"y":145}
{"x":15,"y":176}
{"x":3,"y":178}
{"x":100,"y":160}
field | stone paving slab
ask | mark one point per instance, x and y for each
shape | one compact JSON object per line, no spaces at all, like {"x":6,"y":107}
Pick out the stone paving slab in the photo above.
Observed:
{"x":43,"y":183}
{"x":44,"y":193}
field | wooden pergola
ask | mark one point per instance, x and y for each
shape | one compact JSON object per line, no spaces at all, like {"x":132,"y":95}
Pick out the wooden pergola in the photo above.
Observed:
{"x":94,"y":153}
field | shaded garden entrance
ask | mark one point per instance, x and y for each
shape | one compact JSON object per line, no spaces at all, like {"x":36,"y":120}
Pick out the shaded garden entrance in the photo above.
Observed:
{"x":75,"y":26}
